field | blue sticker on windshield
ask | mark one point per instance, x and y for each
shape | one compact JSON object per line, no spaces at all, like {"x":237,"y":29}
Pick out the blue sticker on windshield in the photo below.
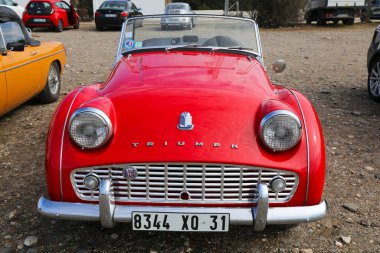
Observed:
{"x":129,"y":44}
{"x":138,"y":44}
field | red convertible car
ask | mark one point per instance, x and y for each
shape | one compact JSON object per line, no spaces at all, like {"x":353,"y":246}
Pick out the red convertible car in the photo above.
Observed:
{"x":187,"y":134}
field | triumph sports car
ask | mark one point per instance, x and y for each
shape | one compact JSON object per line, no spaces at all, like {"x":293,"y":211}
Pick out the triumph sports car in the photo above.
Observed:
{"x":186,"y":134}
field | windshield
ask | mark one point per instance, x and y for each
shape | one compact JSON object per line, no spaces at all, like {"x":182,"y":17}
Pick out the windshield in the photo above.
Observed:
{"x":41,"y":8}
{"x":114,"y":5}
{"x":198,"y":32}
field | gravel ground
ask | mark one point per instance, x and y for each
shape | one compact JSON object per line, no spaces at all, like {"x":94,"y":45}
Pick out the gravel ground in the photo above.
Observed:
{"x":327,"y":64}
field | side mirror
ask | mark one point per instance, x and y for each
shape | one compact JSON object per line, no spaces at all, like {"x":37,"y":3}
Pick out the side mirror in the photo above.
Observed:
{"x":279,"y":66}
{"x":15,"y":4}
{"x":16,"y":46}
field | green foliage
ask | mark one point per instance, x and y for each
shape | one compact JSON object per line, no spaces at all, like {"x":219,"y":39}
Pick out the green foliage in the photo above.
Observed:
{"x":275,"y":13}
{"x":268,"y":13}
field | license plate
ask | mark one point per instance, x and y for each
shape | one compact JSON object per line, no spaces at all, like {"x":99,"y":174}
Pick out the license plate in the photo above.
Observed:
{"x":184,"y":222}
{"x":173,"y":19}
{"x":342,"y":15}
{"x":39,"y":20}
{"x":110,"y":15}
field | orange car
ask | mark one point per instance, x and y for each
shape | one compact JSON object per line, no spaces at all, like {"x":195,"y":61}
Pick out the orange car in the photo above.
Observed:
{"x":28,"y":68}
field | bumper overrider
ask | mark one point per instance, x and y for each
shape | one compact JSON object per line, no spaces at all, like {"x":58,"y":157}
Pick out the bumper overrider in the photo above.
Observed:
{"x":108,"y":213}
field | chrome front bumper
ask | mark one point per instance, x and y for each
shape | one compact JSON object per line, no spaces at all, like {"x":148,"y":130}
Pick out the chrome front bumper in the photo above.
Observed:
{"x":108,"y":213}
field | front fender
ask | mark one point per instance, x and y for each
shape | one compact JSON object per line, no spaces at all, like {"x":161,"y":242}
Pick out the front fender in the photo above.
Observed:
{"x":316,"y":151}
{"x":56,"y":135}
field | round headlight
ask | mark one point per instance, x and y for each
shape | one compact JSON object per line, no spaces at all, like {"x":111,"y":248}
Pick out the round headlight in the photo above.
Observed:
{"x":90,"y":128}
{"x":280,"y":130}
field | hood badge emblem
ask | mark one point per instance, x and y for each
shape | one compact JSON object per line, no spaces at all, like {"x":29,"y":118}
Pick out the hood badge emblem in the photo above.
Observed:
{"x":129,"y":172}
{"x":185,"y":121}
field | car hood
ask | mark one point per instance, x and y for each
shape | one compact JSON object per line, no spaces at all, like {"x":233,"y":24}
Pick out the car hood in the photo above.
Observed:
{"x":188,"y":71}
{"x":224,"y":94}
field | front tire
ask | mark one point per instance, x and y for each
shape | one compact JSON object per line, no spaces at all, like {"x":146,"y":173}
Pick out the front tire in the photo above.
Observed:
{"x":321,"y":21}
{"x":59,"y":27}
{"x":374,"y":80}
{"x":50,"y":93}
{"x":76,"y":25}
{"x":349,"y":21}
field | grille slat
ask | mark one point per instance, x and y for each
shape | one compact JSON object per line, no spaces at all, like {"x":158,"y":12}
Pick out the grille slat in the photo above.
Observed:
{"x":203,"y":182}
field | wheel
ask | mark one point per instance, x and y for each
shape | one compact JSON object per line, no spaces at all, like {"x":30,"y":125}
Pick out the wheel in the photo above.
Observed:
{"x":193,"y":22}
{"x":163,"y":27}
{"x":59,"y":27}
{"x":99,"y":28}
{"x":50,"y":93}
{"x":76,"y":25}
{"x":190,"y":27}
{"x":336,"y":21}
{"x":308,"y":19}
{"x":348,"y":21}
{"x":321,"y":21}
{"x":374,"y":80}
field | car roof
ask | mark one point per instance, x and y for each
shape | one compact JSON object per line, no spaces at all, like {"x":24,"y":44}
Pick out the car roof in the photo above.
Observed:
{"x":7,"y":15}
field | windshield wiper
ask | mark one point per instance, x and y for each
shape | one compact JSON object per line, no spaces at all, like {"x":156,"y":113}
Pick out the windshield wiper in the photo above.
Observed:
{"x":232,"y":48}
{"x":182,"y":46}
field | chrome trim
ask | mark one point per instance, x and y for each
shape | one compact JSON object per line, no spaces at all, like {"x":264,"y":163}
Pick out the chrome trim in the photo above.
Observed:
{"x":62,"y":138}
{"x":273,"y":114}
{"x":118,"y":53}
{"x":5,"y":44}
{"x":307,"y":146}
{"x":106,"y":204}
{"x":238,"y":216}
{"x":185,"y":121}
{"x":94,"y":111}
{"x":260,"y":213}
{"x":207,"y":183}
{"x":29,"y":62}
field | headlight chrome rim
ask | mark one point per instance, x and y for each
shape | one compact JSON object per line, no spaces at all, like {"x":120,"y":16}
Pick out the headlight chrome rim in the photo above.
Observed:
{"x":98,"y":113}
{"x":277,"y":113}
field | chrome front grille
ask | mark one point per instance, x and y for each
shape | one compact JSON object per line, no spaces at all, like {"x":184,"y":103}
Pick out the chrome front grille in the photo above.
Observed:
{"x":203,"y":183}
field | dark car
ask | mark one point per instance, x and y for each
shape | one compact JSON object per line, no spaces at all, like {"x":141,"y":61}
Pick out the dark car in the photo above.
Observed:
{"x":373,"y":65}
{"x":54,"y":14}
{"x":113,"y":14}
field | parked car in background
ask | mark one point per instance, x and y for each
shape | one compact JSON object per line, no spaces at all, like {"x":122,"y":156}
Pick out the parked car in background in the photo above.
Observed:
{"x":178,"y":22}
{"x":332,"y":10}
{"x":113,"y":14}
{"x":14,"y":6}
{"x":373,"y":66}
{"x":375,"y":11}
{"x":186,"y":134}
{"x":55,"y":14}
{"x":28,"y":68}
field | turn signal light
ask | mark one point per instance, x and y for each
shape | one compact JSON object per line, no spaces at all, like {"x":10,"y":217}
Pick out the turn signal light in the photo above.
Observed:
{"x":124,"y":14}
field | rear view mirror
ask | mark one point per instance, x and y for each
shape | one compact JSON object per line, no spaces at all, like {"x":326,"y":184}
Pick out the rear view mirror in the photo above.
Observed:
{"x":279,"y":66}
{"x":16,"y":46}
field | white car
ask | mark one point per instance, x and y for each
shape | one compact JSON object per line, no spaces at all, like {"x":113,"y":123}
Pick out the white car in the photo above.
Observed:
{"x":174,"y":19}
{"x":14,"y":6}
